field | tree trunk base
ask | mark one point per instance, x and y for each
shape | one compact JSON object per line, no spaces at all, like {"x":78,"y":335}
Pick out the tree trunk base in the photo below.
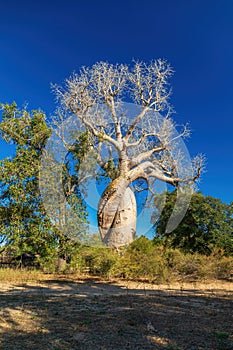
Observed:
{"x":119,"y":230}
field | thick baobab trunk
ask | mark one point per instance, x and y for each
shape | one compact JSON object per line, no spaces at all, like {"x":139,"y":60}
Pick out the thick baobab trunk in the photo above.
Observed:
{"x":117,"y":214}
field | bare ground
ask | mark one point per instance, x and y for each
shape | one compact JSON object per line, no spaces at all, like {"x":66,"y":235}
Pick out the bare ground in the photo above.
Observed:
{"x":89,"y":313}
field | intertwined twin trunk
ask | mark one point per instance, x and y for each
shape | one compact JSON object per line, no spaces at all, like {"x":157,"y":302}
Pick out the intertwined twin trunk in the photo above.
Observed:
{"x":117,"y":212}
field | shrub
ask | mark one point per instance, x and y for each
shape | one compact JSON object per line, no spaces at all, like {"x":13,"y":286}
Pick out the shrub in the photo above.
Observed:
{"x":141,"y":260}
{"x":144,"y":260}
{"x":99,"y":260}
{"x":223,"y":268}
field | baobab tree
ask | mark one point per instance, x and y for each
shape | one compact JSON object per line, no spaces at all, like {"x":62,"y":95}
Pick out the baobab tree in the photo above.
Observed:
{"x":130,"y":141}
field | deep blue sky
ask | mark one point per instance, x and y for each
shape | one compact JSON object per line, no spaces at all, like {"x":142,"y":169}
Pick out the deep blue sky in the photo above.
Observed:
{"x":45,"y":41}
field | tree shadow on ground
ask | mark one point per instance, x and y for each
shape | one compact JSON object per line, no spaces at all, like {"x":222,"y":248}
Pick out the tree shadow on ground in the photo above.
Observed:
{"x":91,"y":314}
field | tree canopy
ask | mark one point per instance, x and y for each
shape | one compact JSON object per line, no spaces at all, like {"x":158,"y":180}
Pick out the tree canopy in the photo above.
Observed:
{"x":206,"y":226}
{"x":24,"y":224}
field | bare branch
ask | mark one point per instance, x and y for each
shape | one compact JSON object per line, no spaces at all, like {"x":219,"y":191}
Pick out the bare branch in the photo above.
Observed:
{"x":145,"y":155}
{"x":94,"y":96}
{"x":149,"y":84}
{"x":134,"y":124}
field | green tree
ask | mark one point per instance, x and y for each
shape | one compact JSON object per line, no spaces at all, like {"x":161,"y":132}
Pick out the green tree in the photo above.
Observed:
{"x":24,"y":224}
{"x":207,"y":225}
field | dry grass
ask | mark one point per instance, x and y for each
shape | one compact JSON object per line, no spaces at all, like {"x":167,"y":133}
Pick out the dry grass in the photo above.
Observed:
{"x":68,"y":312}
{"x":21,"y":276}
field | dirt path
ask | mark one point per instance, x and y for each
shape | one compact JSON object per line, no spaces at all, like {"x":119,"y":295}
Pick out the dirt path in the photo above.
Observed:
{"x":94,"y":314}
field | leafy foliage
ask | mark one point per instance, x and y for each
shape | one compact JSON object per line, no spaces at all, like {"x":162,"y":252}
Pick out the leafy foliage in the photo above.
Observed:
{"x":207,"y":225}
{"x":24,"y":225}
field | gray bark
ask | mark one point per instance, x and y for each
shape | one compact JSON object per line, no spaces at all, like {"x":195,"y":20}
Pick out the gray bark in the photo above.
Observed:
{"x":117,"y":214}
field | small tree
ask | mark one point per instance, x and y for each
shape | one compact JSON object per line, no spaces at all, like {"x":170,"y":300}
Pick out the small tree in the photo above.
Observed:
{"x":140,"y":142}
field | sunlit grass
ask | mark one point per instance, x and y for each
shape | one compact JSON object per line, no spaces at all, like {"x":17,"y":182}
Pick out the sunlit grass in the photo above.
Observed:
{"x":10,"y":275}
{"x":21,"y":275}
